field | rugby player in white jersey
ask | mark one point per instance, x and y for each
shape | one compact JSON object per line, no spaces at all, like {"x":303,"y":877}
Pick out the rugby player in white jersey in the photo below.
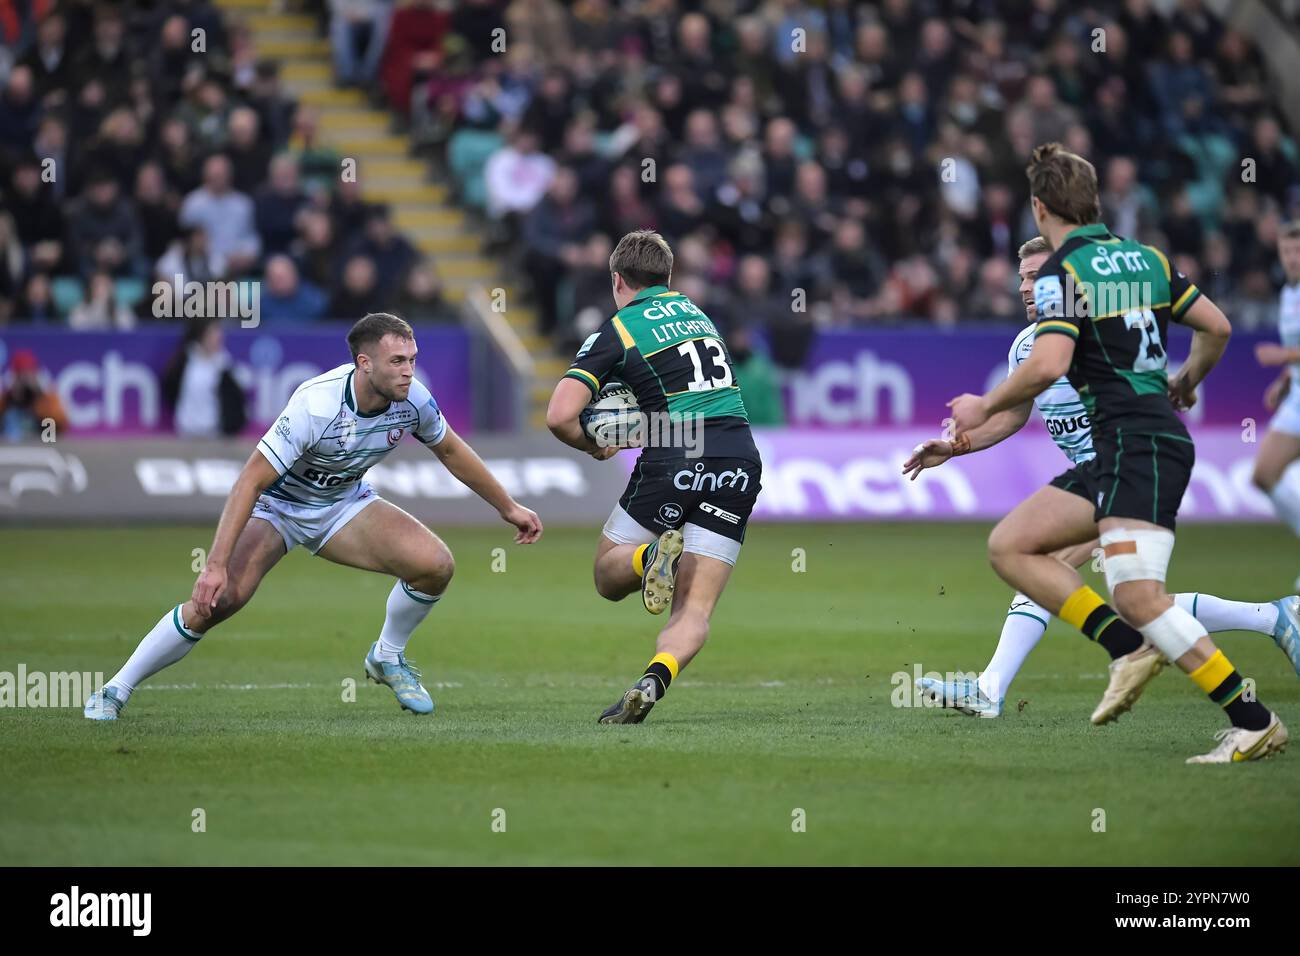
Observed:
{"x":1280,"y":447}
{"x":1067,"y":422}
{"x":305,"y":485}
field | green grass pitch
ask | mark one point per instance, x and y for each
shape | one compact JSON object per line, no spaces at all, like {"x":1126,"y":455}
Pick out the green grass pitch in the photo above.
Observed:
{"x":788,"y":708}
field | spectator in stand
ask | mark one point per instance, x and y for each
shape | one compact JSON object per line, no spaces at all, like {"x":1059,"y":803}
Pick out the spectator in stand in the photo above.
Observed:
{"x":37,"y":303}
{"x":517,"y":175}
{"x":275,"y":111}
{"x":286,"y":298}
{"x":100,"y":310}
{"x":359,"y":292}
{"x":225,"y":215}
{"x":314,"y":251}
{"x":199,"y":385}
{"x":249,"y":151}
{"x":390,"y":251}
{"x":156,"y":206}
{"x":415,"y":43}
{"x":996,"y":296}
{"x":279,"y":204}
{"x":38,"y":218}
{"x":358,"y":32}
{"x":48,"y":58}
{"x":191,"y":257}
{"x":20,"y":110}
{"x":29,"y":407}
{"x":554,"y":232}
{"x":104,"y":231}
{"x":422,"y":298}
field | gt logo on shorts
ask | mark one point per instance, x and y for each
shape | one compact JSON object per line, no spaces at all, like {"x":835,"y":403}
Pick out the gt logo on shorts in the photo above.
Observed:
{"x":670,"y":512}
{"x":715,"y":510}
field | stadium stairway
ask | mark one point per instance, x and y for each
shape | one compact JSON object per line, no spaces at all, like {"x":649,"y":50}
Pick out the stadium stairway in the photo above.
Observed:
{"x":388,"y":172}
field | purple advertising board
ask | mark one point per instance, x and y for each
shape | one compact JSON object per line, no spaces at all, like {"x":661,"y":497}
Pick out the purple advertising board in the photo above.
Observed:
{"x":812,"y":475}
{"x":841,"y":475}
{"x":905,"y":377}
{"x":110,"y":381}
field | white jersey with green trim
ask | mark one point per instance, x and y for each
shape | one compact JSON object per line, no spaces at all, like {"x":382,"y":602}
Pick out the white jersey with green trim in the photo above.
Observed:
{"x":321,"y":446}
{"x":1288,"y":324}
{"x":1058,"y":405}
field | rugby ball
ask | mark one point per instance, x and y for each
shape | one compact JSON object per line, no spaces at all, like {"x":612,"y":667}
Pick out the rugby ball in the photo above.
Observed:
{"x":613,"y":419}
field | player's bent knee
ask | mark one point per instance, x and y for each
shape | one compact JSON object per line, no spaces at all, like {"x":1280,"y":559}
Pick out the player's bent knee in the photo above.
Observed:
{"x":611,"y":590}
{"x":437,"y":572}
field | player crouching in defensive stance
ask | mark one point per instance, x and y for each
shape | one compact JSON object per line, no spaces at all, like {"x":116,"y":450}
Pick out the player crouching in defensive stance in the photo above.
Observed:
{"x":676,"y":532}
{"x":305,"y":485}
{"x":1066,"y":418}
{"x":1103,"y":304}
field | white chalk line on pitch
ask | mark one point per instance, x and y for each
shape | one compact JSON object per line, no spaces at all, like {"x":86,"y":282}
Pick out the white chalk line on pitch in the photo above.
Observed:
{"x":455,"y":685}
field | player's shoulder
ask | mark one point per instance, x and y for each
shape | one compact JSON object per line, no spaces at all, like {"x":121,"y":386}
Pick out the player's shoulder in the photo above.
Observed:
{"x":321,"y":396}
{"x":419,"y":395}
{"x":1022,"y":345}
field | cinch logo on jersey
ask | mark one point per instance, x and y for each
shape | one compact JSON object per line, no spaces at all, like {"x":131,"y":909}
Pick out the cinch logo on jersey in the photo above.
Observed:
{"x":698,"y":479}
{"x":75,"y":908}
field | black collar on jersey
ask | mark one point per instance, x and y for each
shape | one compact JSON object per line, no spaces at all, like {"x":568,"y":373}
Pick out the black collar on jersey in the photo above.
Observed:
{"x":649,"y":293}
{"x":347,"y":397}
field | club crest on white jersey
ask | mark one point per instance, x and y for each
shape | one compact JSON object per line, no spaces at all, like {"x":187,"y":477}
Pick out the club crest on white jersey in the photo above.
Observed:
{"x":322,"y":446}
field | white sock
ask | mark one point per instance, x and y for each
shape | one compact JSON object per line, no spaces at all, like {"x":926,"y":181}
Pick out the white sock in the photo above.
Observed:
{"x":1026,"y":621}
{"x":407,"y":607}
{"x":1286,"y":497}
{"x":1220,"y":615}
{"x":167,"y":643}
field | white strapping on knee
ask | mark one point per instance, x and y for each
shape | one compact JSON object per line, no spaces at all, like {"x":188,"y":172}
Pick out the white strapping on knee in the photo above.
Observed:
{"x":1136,"y":554}
{"x":1174,"y":633}
{"x":710,"y":544}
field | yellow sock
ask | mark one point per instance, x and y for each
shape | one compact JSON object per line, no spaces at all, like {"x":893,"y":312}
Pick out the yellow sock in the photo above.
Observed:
{"x":638,"y":559}
{"x":1079,"y":606}
{"x":668,"y":661}
{"x":663,"y":668}
{"x":1212,"y":673}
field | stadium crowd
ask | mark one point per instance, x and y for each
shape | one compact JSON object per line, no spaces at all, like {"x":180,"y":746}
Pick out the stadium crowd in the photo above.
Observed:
{"x":127,"y":156}
{"x":832,"y":162}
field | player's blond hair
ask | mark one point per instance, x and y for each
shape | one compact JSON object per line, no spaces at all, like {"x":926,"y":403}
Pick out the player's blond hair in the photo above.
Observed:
{"x":1034,"y":247}
{"x":1065,"y":183}
{"x":643,"y":259}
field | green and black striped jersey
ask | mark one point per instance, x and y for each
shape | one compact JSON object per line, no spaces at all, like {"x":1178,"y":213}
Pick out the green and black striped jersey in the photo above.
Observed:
{"x":663,"y":347}
{"x":1115,"y":298}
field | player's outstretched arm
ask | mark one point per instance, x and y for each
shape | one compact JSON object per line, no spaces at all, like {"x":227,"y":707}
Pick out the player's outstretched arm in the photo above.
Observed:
{"x":1047,"y":362}
{"x":467,"y":467}
{"x":567,"y":402}
{"x":936,"y":451}
{"x":1210,"y":333}
{"x":255,"y":477}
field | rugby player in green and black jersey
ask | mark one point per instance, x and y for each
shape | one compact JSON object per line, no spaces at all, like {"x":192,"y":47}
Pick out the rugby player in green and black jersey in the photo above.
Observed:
{"x":676,"y":532}
{"x":1103,"y":306}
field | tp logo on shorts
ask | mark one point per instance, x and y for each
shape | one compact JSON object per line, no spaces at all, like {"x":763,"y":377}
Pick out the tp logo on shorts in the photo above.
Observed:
{"x":670,"y":513}
{"x":395,"y":435}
